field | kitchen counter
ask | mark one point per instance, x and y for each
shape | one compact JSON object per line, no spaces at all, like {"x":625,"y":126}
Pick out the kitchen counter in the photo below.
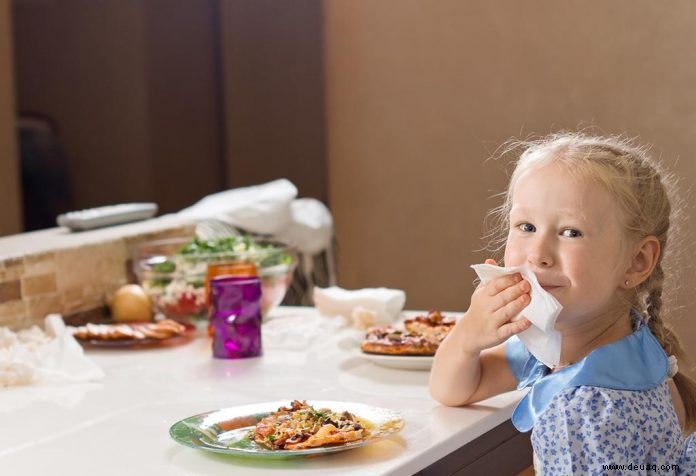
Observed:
{"x":120,"y":425}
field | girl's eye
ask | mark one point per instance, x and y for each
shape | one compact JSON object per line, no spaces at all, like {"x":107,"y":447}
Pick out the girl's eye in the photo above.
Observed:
{"x":571,"y":233}
{"x":527,"y":227}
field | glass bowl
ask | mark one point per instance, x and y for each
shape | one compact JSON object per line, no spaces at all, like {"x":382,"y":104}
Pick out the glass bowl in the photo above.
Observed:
{"x":173,"y":272}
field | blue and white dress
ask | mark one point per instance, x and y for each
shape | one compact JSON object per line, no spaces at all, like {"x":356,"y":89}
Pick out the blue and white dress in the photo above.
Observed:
{"x":611,"y":408}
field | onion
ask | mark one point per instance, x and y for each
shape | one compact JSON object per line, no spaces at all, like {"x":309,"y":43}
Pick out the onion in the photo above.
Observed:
{"x":131,"y":304}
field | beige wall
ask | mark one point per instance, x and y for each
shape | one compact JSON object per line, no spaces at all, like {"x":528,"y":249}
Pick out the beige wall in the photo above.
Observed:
{"x":420,"y":93}
{"x":10,"y":207}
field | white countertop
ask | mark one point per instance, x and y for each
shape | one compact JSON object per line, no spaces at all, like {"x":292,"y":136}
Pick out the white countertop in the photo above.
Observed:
{"x":52,"y":239}
{"x":120,"y":425}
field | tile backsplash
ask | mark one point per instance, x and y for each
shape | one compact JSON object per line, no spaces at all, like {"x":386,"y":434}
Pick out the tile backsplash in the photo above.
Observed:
{"x":72,"y":275}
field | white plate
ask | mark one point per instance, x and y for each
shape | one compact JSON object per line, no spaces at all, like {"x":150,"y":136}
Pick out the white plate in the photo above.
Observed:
{"x":404,"y":362}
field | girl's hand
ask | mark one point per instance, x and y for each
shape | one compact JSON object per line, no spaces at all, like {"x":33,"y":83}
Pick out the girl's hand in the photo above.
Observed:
{"x":487,"y":321}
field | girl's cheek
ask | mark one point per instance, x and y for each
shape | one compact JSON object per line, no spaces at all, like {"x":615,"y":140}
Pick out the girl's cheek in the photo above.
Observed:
{"x":513,"y":257}
{"x":514,"y":252}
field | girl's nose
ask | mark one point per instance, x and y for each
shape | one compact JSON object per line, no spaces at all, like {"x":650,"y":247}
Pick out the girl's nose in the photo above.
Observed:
{"x":541,"y":261}
{"x":540,"y":256}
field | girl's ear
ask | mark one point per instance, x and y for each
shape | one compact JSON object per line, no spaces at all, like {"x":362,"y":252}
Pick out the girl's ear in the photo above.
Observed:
{"x":644,"y":258}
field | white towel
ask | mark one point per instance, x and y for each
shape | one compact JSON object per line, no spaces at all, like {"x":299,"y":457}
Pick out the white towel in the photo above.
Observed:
{"x":42,"y":356}
{"x":269,"y":209}
{"x":264,"y":208}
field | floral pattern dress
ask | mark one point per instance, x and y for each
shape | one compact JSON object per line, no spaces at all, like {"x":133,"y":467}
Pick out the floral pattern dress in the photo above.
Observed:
{"x":610,"y":413}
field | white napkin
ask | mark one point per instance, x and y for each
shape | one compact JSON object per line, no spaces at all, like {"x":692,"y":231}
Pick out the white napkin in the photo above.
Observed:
{"x":310,"y":227}
{"x":261,"y":208}
{"x":297,"y":333}
{"x":33,"y":356}
{"x":385,"y":304}
{"x":540,"y":339}
{"x":269,"y":209}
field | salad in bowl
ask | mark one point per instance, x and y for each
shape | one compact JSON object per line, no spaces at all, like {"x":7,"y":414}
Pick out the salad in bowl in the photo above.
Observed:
{"x":173,"y":271}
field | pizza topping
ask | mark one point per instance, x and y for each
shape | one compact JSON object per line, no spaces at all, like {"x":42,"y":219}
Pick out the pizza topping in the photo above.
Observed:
{"x":302,"y":426}
{"x":395,"y":335}
{"x":434,"y":324}
{"x":421,"y":335}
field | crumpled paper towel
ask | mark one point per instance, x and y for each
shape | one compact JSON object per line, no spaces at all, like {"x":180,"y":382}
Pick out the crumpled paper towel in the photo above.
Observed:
{"x":268,"y":209}
{"x":310,"y":227}
{"x":364,"y":307}
{"x":299,"y":332}
{"x":540,"y":339}
{"x":51,"y":355}
{"x":264,"y":208}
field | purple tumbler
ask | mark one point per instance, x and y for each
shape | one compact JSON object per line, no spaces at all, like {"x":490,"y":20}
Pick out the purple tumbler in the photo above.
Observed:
{"x":235,"y":316}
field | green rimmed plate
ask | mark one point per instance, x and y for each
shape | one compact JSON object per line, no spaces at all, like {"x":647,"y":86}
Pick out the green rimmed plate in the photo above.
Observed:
{"x":228,"y":430}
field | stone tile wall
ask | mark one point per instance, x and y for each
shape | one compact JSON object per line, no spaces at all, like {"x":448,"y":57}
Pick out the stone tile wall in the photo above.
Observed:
{"x":72,"y":280}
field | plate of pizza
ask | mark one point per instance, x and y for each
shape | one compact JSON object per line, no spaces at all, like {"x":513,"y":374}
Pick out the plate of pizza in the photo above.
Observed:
{"x":285,"y":429}
{"x":411,"y":345}
{"x":402,"y":362}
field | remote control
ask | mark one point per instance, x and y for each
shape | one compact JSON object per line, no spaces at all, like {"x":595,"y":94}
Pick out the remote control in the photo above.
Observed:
{"x":98,"y":217}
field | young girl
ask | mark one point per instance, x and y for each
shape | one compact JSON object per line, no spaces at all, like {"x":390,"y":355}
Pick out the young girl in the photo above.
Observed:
{"x":590,"y":217}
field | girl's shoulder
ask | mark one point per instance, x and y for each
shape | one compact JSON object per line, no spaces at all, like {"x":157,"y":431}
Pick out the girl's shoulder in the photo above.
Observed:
{"x":635,"y":363}
{"x":646,"y":418}
{"x":605,"y":404}
{"x":597,"y":413}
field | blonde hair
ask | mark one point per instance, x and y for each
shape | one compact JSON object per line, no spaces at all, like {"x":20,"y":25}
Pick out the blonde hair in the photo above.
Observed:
{"x":642,"y":191}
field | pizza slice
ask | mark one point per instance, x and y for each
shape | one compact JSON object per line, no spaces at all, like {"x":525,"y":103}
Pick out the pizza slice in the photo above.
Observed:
{"x":394,"y":341}
{"x":301,"y":426}
{"x":420,"y":335}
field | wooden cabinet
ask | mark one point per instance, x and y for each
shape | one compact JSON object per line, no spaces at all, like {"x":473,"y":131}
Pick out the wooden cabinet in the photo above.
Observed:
{"x":171,"y":100}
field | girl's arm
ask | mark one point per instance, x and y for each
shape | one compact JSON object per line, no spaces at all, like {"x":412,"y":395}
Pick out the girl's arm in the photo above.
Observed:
{"x":470,"y":364}
{"x":469,"y":379}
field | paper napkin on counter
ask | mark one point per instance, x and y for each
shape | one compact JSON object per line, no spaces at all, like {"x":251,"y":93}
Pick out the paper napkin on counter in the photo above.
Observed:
{"x":50,"y":355}
{"x":380,"y":305}
{"x":300,"y":331}
{"x":540,"y":339}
